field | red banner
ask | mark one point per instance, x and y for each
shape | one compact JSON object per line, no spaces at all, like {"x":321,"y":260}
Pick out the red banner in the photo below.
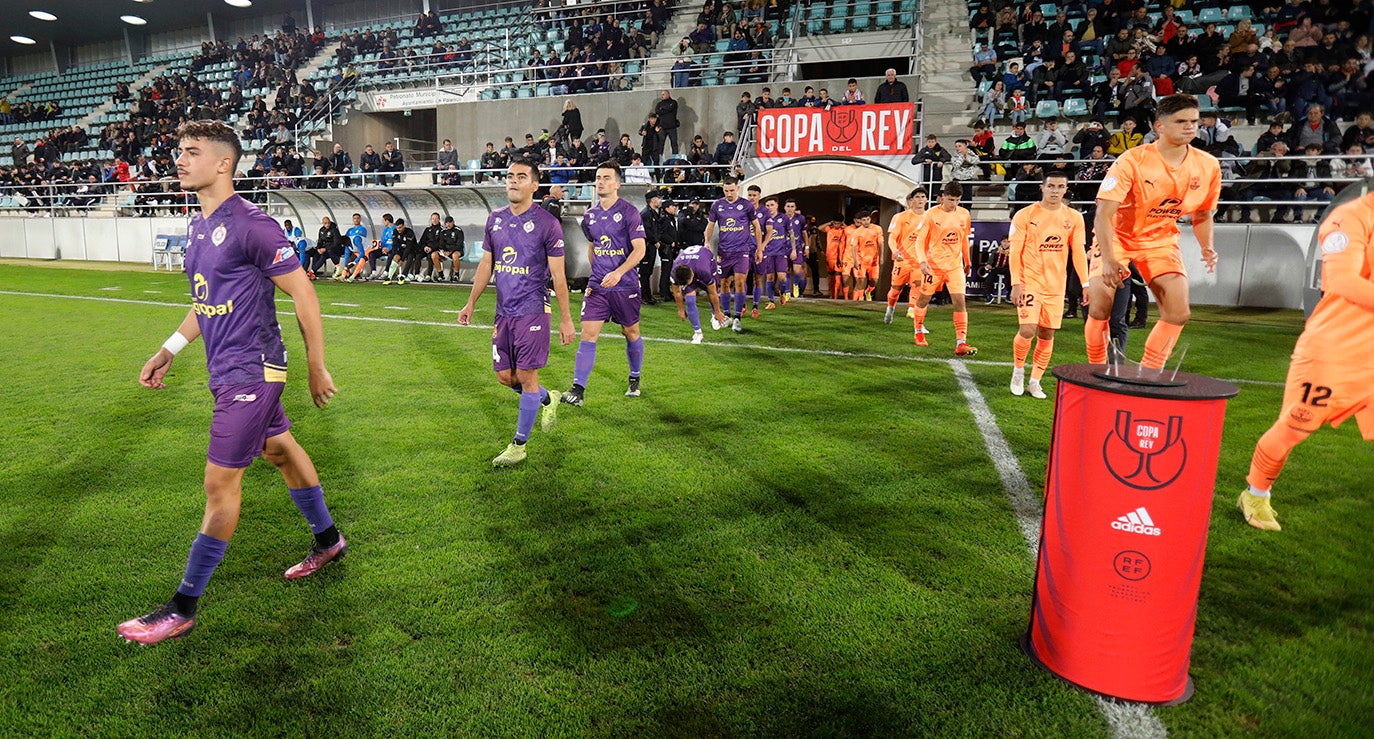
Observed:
{"x":845,"y":130}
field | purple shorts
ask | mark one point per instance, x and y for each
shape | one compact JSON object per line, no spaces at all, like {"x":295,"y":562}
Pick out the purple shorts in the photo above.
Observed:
{"x":246,"y":416}
{"x":618,"y":306}
{"x":735,"y":263}
{"x":773,"y":264}
{"x":800,"y":258}
{"x":520,"y":342}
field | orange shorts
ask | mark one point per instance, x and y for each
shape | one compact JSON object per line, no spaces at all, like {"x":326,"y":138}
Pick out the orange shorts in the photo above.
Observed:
{"x":905,"y":272}
{"x":1319,"y":393}
{"x":1151,"y":263}
{"x":951,"y":278}
{"x":867,"y":270}
{"x":834,"y":261}
{"x":1040,"y":309}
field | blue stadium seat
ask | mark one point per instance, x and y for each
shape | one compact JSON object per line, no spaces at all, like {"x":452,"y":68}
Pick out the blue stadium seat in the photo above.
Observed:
{"x":1047,"y":109}
{"x":863,"y":17}
{"x":1205,"y":103}
{"x":1239,"y":12}
{"x":723,"y":44}
{"x":1075,"y":107}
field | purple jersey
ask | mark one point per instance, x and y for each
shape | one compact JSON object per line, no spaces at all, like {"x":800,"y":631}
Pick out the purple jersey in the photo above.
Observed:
{"x":610,"y":233}
{"x":778,"y":246}
{"x":735,"y":221}
{"x":702,"y":263}
{"x":796,"y":230}
{"x":231,"y":257}
{"x":520,"y":247}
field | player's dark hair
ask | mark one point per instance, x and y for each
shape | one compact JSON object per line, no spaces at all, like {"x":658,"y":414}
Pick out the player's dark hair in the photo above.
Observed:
{"x":613,"y":166}
{"x":755,"y":188}
{"x":915,"y":192}
{"x":212,"y":131}
{"x":388,"y":217}
{"x":682,"y":274}
{"x":1055,"y":173}
{"x":770,"y":199}
{"x":1171,"y":104}
{"x":527,"y":163}
{"x":792,"y":201}
{"x":728,"y":180}
{"x":953,"y":188}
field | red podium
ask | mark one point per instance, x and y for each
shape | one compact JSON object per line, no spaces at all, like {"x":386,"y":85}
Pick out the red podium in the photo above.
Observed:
{"x":1128,"y":496}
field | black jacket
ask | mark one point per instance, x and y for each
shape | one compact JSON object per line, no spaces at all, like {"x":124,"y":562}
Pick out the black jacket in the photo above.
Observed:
{"x":403,"y":242}
{"x":653,"y":233}
{"x":329,"y":238}
{"x":691,"y":227}
{"x":430,"y":238}
{"x":667,"y":113}
{"x":452,"y":241}
{"x":668,"y":238}
{"x":370,"y":162}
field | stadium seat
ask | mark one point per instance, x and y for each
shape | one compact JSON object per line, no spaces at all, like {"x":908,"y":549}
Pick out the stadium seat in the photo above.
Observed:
{"x":863,"y":17}
{"x":1047,"y":109}
{"x":837,"y":21}
{"x":1238,"y":13}
{"x":1075,"y":107}
{"x":1205,"y":103}
{"x":1210,"y":15}
{"x":723,"y":45}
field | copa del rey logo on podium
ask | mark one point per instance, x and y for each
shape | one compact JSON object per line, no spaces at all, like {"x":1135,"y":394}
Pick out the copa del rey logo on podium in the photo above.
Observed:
{"x":1144,"y":453}
{"x":845,"y":130}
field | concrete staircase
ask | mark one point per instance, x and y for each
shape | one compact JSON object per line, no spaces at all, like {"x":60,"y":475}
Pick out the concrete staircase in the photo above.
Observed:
{"x":658,"y":70}
{"x":947,"y":90}
{"x":134,"y":88}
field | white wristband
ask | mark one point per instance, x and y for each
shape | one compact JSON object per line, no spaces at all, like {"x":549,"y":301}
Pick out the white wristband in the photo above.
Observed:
{"x":175,"y":343}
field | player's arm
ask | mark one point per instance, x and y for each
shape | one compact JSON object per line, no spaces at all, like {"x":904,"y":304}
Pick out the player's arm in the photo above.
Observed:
{"x":681,"y":306}
{"x":297,"y":285}
{"x":968,"y":239}
{"x":1343,"y":262}
{"x":768,"y":234}
{"x":156,"y":367}
{"x":566,"y":332}
{"x":1016,"y":255}
{"x":479,"y":285}
{"x":706,"y":239}
{"x":1078,"y":253}
{"x":922,"y":245}
{"x":1106,"y":246}
{"x":713,"y":294}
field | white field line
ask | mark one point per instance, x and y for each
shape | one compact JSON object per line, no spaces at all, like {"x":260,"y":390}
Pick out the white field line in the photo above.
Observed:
{"x":1125,"y":720}
{"x":610,"y":335}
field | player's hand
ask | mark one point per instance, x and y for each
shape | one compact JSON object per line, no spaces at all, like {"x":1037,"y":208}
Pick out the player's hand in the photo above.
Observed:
{"x":465,"y":315}
{"x":925,"y":270}
{"x":720,"y":318}
{"x":1113,"y":274}
{"x":1016,"y":296}
{"x":1209,"y":257}
{"x":968,"y":270}
{"x":681,"y":314}
{"x":611,"y":280}
{"x":155,"y":369}
{"x":566,"y":332}
{"x":322,"y":388}
{"x":1084,"y":300}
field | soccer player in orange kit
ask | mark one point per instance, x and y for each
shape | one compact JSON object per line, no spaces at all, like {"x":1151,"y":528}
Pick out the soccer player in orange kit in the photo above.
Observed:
{"x":836,"y":244}
{"x":942,"y":250}
{"x":866,"y":244}
{"x":1045,"y":237}
{"x":901,"y":241}
{"x":1139,"y":203}
{"x":1332,"y":375}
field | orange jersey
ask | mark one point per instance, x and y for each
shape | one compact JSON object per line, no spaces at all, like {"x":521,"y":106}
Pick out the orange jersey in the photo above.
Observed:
{"x":1340,"y":331}
{"x":1043,"y":242}
{"x":944,"y":238}
{"x":902,"y":232}
{"x":867,"y":242}
{"x":1154,"y":195}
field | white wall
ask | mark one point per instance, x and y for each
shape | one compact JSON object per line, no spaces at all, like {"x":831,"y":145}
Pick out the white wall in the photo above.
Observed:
{"x":32,"y":63}
{"x":97,"y":53}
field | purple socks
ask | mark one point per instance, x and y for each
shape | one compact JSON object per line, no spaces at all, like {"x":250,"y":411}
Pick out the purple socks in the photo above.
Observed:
{"x":691,"y":310}
{"x":205,"y":556}
{"x":310,"y":502}
{"x":582,"y":365}
{"x":634,"y":352}
{"x":529,"y":410}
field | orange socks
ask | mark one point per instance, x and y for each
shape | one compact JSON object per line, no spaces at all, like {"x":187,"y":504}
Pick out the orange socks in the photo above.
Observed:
{"x":1095,"y":337}
{"x":961,"y":326}
{"x":1020,"y":349}
{"x":920,"y":319}
{"x":1160,"y":344}
{"x":1043,"y":349}
{"x":892,"y":296}
{"x":1271,"y":453}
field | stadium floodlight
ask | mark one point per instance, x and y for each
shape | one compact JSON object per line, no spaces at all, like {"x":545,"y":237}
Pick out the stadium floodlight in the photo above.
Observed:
{"x":42,"y":15}
{"x":23,"y":40}
{"x":133,"y":20}
{"x":239,"y":3}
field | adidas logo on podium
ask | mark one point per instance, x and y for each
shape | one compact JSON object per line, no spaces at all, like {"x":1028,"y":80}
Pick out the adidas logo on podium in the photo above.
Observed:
{"x":1137,"y":522}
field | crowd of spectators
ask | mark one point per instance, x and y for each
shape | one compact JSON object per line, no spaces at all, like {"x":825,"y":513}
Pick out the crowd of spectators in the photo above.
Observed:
{"x":750,"y":36}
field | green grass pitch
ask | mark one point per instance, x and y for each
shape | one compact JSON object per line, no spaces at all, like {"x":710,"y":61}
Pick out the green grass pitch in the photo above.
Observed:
{"x":768,"y":543}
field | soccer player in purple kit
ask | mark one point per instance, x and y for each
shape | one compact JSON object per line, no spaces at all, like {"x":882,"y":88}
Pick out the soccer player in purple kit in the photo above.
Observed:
{"x":695,"y":268}
{"x":796,"y":237}
{"x":523,"y":249}
{"x":236,"y":258}
{"x":778,"y":253}
{"x":740,"y":239}
{"x":615,"y":247}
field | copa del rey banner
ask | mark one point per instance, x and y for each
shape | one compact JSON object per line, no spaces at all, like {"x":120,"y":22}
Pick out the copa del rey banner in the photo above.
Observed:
{"x":845,"y":130}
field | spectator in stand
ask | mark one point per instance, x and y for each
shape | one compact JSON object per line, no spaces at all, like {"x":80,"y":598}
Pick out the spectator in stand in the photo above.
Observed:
{"x":666,"y":110}
{"x":1018,"y":107}
{"x":1354,"y":164}
{"x":1090,"y":134}
{"x":1051,"y":142}
{"x":964,"y":167}
{"x":1091,"y":172}
{"x":1073,"y":77}
{"x":932,"y":157}
{"x":1018,"y":147}
{"x":683,"y":64}
{"x":1138,"y":98}
{"x":19,"y":152}
{"x":571,"y":124}
{"x":447,"y":157}
{"x":852,"y":94}
{"x":637,"y":173}
{"x":393,"y":163}
{"x":994,"y":103}
{"x":651,"y":140}
{"x":1271,"y":171}
{"x":1360,"y":132}
{"x":891,"y":89}
{"x":1212,"y":132}
{"x":744,"y":111}
{"x":1125,"y":139}
{"x":702,"y":39}
{"x":369,"y":164}
{"x":1015,"y":78}
{"x":1315,"y":128}
{"x":1315,"y":182}
{"x":984,"y":64}
{"x":624,"y":152}
{"x":725,"y":150}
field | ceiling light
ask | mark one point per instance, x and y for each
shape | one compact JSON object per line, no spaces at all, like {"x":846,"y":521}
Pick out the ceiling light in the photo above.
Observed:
{"x":133,"y":20}
{"x":42,"y":15}
{"x":239,"y":3}
{"x":22,"y":40}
